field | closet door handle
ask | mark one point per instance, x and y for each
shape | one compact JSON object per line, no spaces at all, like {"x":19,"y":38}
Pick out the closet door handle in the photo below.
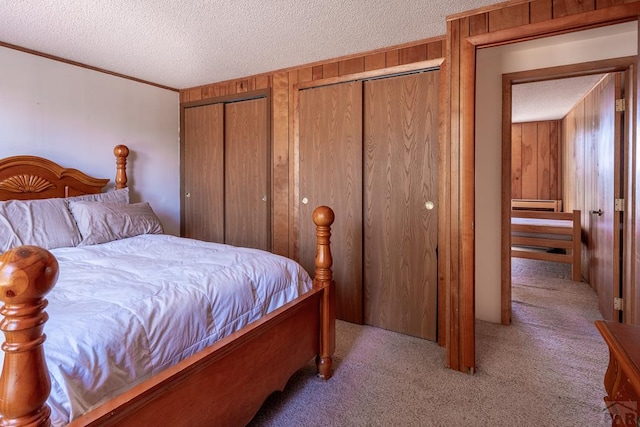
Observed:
{"x":598,"y":212}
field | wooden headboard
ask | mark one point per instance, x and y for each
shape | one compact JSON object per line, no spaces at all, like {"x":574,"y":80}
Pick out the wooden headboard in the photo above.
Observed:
{"x":32,"y":177}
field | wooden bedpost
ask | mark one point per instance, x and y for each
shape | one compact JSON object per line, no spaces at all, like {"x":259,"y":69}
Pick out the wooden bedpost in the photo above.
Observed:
{"x":323,"y":217}
{"x":121,"y":152}
{"x":27,"y":274}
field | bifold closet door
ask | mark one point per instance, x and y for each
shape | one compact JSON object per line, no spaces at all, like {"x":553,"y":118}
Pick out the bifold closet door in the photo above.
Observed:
{"x":400,"y":203}
{"x":246,"y":174}
{"x":203,"y":173}
{"x":330,"y":141}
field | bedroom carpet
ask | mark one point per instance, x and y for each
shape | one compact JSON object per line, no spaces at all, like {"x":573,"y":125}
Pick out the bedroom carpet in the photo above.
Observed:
{"x":546,"y":369}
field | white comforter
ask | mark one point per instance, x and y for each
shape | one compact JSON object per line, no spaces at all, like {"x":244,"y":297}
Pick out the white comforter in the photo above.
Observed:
{"x":125,"y":310}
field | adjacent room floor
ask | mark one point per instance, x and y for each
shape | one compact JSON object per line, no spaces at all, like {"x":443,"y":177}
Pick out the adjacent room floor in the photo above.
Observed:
{"x":547,"y":368}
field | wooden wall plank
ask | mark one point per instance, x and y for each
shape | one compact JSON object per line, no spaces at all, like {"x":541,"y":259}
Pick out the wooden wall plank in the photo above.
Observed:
{"x":316,"y":73}
{"x":280,"y":153}
{"x":231,"y":88}
{"x":555,"y":190}
{"x":412,"y":54}
{"x":509,"y":17}
{"x":263,"y":82}
{"x":563,"y":8}
{"x":351,"y":66}
{"x":330,"y":70}
{"x":516,"y":161}
{"x":195,"y":94}
{"x":392,"y":58}
{"x":436,"y":49}
{"x":540,"y":10}
{"x":375,"y":61}
{"x":602,"y":4}
{"x":479,"y":24}
{"x":544,"y":165}
{"x":305,"y":74}
{"x":242,"y":86}
{"x":529,"y":160}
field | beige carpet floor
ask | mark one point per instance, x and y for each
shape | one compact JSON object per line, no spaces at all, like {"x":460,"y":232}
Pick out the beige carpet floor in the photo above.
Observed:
{"x":546,"y":369}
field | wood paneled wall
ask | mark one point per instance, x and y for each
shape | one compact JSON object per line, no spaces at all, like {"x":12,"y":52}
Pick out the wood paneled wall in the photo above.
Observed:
{"x":466,"y":32}
{"x":384,"y":58}
{"x":535,"y":160}
{"x":281,"y":84}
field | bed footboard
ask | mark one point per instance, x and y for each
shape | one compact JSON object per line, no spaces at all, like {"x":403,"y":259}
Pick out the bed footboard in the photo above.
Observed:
{"x":224,"y":384}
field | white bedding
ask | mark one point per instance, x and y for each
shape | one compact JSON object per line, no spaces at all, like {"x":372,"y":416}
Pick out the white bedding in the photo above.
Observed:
{"x":125,"y":310}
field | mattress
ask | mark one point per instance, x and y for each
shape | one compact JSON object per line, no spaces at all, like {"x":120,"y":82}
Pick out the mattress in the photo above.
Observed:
{"x":123,"y":311}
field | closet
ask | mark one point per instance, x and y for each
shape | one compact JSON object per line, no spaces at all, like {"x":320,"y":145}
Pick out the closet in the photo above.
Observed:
{"x":225,"y":176}
{"x":369,"y":149}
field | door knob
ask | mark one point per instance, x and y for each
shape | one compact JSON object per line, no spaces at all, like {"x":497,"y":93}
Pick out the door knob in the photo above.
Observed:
{"x":598,"y":212}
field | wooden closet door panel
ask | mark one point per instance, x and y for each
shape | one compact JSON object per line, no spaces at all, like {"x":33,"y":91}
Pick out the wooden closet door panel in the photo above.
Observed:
{"x":330,"y":141}
{"x":203,"y":213}
{"x":400,"y":175}
{"x":246,"y":174}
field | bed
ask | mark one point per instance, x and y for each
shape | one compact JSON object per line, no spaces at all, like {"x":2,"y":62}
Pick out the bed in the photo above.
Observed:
{"x":190,"y":367}
{"x":548,"y":236}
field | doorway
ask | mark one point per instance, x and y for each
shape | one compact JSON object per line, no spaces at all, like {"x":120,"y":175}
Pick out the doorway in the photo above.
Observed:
{"x":590,"y":172}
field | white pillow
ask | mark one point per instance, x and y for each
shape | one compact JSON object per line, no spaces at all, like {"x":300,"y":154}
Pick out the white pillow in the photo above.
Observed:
{"x":115,"y":196}
{"x":104,"y":222}
{"x":45,"y":223}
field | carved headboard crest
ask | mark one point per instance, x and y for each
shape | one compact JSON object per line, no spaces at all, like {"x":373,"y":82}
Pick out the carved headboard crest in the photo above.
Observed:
{"x":25,"y":184}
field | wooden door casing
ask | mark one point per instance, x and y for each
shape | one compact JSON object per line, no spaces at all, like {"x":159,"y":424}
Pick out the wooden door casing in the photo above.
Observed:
{"x":400,"y":199}
{"x":246,"y":187}
{"x":330,"y":129}
{"x":203,"y":173}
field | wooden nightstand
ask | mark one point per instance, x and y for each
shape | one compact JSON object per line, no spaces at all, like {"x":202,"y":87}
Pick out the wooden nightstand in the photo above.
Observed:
{"x":622,"y":379}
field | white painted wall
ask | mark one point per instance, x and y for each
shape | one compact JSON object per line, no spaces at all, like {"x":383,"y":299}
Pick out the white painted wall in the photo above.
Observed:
{"x":603,"y":43}
{"x":75,"y":116}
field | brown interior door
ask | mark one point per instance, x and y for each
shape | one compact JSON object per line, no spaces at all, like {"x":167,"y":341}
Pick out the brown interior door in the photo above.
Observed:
{"x":604,"y":221}
{"x":246,"y":158}
{"x":330,"y":143}
{"x":400,"y":203}
{"x":202,"y":173}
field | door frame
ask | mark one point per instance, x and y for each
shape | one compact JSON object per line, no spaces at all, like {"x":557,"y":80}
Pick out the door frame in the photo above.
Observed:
{"x":529,"y":76}
{"x":466,"y":33}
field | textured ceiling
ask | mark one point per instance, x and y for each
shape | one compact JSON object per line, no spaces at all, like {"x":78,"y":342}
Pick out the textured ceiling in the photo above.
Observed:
{"x":186,"y":43}
{"x":549,"y":100}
